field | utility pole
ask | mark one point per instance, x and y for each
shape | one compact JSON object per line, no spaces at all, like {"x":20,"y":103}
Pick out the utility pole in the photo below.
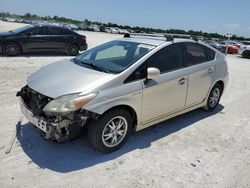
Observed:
{"x":228,"y":35}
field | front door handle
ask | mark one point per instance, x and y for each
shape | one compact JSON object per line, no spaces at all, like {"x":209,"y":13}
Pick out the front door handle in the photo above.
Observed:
{"x":210,"y":70}
{"x":182,"y":81}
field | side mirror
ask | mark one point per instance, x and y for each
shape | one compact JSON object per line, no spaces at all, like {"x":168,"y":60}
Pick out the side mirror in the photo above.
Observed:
{"x":152,"y":73}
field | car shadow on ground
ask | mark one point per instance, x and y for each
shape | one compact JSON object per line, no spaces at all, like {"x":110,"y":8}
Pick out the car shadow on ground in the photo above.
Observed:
{"x":77,"y":154}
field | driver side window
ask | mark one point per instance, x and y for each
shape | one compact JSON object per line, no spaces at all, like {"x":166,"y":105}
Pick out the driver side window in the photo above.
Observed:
{"x":167,"y":59}
{"x":38,"y":31}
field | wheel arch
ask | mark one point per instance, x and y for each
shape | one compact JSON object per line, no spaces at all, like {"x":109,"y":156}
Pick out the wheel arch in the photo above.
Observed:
{"x":221,"y":83}
{"x":131,"y":111}
{"x":73,"y":43}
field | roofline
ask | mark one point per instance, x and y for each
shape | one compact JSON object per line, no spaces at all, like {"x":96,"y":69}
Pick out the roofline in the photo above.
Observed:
{"x":49,"y":25}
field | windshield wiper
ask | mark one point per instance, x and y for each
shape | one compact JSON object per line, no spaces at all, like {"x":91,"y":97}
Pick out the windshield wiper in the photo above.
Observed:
{"x":98,"y":68}
{"x":93,"y":66}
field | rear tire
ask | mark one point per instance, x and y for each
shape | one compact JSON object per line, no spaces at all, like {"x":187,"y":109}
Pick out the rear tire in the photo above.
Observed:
{"x":110,"y":131}
{"x":12,"y":49}
{"x":73,"y":50}
{"x":214,"y":97}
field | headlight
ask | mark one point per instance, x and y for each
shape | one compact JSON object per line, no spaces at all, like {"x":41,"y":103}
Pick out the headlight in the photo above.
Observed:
{"x":67,"y":103}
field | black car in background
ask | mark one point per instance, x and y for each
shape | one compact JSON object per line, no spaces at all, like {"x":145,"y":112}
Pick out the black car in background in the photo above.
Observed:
{"x":41,"y":38}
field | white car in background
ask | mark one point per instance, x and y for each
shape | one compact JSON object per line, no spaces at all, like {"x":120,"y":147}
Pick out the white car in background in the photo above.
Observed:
{"x":124,"y":31}
{"x":108,"y":30}
{"x":245,"y":49}
{"x":96,"y":28}
{"x":114,"y":30}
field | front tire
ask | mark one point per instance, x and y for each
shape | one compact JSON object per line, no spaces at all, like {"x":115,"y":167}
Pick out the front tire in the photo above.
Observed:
{"x":12,"y":49}
{"x":111,"y":131}
{"x":214,"y":97}
{"x":73,"y":50}
{"x":246,"y":54}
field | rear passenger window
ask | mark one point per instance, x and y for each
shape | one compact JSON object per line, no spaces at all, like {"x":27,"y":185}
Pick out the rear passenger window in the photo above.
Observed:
{"x":56,"y":31}
{"x":210,"y":54}
{"x":168,"y":59}
{"x":196,"y":53}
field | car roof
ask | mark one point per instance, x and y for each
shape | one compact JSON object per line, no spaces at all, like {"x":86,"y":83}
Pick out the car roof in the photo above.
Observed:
{"x":154,"y":41}
{"x":48,"y":25}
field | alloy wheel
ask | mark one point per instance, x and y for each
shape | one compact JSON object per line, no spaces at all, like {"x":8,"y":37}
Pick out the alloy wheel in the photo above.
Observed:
{"x":114,"y":131}
{"x":12,"y":49}
{"x":214,"y":97}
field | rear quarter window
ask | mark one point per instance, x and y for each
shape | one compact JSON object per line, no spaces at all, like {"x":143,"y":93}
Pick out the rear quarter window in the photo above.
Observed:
{"x":68,"y":32}
{"x":210,"y":54}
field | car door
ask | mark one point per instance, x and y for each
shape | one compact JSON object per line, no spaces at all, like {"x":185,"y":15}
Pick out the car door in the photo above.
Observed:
{"x":57,"y":38}
{"x":167,"y":93}
{"x":201,"y":72}
{"x":35,"y":39}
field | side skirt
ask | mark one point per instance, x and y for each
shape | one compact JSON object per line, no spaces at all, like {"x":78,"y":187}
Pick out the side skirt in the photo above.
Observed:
{"x":169,"y":116}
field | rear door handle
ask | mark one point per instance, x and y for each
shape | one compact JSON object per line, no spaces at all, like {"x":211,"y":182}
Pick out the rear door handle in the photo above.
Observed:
{"x":182,"y":81}
{"x":210,"y":70}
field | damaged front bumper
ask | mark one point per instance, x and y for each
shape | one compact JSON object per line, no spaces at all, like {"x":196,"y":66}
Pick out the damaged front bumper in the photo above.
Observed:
{"x":59,"y":127}
{"x":39,"y":122}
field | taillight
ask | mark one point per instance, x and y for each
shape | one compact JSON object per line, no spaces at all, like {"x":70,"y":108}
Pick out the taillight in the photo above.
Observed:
{"x":83,"y":37}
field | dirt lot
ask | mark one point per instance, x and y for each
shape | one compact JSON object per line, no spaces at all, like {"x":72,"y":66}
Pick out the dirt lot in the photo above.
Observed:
{"x":198,"y":149}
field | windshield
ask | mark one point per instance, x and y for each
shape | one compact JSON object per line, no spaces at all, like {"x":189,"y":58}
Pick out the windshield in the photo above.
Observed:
{"x":21,"y":29}
{"x":114,"y":56}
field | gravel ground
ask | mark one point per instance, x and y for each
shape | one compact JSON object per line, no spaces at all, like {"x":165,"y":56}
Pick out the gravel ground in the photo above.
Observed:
{"x":198,"y":149}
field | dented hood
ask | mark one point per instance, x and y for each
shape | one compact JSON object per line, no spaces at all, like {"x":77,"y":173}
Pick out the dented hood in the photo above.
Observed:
{"x":65,"y":77}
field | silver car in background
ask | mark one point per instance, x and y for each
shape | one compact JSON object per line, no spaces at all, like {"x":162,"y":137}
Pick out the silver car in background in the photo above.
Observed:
{"x":123,"y":85}
{"x":244,"y":49}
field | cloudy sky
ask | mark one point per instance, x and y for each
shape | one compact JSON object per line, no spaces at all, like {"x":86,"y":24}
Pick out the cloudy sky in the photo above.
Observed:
{"x":210,"y":16}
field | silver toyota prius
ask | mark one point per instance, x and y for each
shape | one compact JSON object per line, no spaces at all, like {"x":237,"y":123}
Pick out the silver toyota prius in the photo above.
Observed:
{"x":122,"y":86}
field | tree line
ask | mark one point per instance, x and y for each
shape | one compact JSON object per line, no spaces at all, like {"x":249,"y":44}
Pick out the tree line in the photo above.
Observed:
{"x":29,"y":16}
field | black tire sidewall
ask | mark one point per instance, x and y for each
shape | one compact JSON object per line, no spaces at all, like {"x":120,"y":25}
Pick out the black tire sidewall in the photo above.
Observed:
{"x":209,"y":108}
{"x":14,"y":43}
{"x":246,"y":54}
{"x":73,"y":46}
{"x":96,"y":129}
